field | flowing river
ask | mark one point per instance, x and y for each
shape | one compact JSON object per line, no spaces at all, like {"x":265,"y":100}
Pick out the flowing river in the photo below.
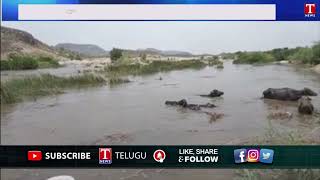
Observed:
{"x":135,"y":113}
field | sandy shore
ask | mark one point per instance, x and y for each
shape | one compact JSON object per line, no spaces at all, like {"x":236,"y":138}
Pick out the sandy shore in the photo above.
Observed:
{"x":92,"y":63}
{"x":317,"y":68}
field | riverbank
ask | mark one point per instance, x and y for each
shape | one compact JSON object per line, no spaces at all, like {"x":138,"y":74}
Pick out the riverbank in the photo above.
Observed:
{"x":299,"y":55}
{"x":316,"y":68}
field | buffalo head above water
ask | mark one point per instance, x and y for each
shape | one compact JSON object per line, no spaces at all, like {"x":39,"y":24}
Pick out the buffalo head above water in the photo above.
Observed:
{"x":309,"y":92}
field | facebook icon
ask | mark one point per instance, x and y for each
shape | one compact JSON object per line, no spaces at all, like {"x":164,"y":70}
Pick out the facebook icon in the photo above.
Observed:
{"x":240,"y":155}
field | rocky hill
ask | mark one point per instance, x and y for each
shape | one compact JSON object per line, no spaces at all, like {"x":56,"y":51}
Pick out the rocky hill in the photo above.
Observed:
{"x":14,"y":41}
{"x":17,"y":41}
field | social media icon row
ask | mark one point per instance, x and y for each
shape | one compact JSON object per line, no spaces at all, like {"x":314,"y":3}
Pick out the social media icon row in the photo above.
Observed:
{"x":253,"y":155}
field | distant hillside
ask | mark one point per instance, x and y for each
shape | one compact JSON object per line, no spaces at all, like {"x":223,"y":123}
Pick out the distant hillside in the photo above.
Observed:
{"x":152,"y":51}
{"x":88,"y":50}
{"x":15,"y":41}
{"x":21,"y":42}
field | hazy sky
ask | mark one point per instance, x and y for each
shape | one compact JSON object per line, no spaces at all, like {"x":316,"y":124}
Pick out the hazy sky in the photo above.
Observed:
{"x":195,"y":37}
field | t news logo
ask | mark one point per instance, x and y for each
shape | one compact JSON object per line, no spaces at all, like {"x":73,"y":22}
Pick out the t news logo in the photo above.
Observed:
{"x":310,"y":10}
{"x":105,"y":155}
{"x":253,"y":156}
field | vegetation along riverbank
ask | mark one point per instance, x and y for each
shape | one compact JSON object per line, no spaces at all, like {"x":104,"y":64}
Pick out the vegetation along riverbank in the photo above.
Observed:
{"x":25,"y":62}
{"x":36,"y":86}
{"x":122,"y":69}
{"x":298,"y":55}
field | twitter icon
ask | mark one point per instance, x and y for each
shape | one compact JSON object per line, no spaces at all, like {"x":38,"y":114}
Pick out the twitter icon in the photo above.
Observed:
{"x":266,"y":156}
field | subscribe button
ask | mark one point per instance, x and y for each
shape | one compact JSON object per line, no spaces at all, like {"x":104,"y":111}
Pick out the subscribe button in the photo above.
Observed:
{"x":36,"y":155}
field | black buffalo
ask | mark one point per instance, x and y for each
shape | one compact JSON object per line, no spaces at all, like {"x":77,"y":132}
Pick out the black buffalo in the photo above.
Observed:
{"x":287,"y":94}
{"x":214,"y":93}
{"x":183,"y":103}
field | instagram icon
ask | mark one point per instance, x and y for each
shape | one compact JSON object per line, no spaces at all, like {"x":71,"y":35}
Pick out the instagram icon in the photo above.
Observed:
{"x":253,"y":155}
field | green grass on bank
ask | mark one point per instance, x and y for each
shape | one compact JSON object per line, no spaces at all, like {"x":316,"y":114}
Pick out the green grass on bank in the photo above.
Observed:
{"x":299,"y":55}
{"x":253,"y":58}
{"x":153,"y":67}
{"x":35,"y":86}
{"x":23,"y":62}
{"x":47,"y":62}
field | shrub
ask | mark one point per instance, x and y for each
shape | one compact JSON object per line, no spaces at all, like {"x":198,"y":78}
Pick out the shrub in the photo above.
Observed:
{"x":47,"y":62}
{"x":115,"y":54}
{"x":220,"y":66}
{"x":316,"y":53}
{"x":4,"y":64}
{"x":304,"y":55}
{"x":21,"y":63}
{"x":24,"y":62}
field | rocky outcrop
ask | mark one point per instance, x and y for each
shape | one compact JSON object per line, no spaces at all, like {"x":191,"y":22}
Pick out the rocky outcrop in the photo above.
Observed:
{"x":17,"y":41}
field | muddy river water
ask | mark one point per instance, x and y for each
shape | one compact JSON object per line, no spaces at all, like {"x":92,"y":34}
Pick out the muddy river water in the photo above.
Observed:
{"x":135,"y":113}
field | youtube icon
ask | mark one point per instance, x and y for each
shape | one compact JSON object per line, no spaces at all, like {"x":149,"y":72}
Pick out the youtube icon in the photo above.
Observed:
{"x":34,"y":155}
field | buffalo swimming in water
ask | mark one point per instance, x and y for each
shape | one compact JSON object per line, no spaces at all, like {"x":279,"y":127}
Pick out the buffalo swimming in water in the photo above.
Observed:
{"x":183,"y":103}
{"x":287,"y":94}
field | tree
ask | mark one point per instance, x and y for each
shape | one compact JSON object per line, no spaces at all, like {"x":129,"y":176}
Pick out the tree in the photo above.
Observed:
{"x":316,"y":53}
{"x":115,"y":54}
